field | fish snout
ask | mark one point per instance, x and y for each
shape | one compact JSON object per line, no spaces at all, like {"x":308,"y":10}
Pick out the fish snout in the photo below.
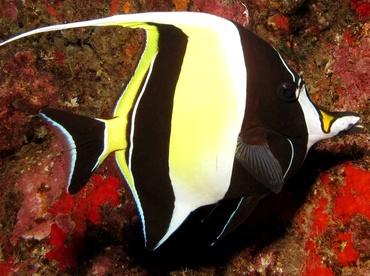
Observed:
{"x":348,"y":124}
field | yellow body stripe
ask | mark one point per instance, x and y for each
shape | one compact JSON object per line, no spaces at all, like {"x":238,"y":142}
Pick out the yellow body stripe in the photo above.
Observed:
{"x":208,"y":110}
{"x":206,"y":119}
{"x":126,"y":101}
{"x":128,"y":98}
{"x":209,"y":106}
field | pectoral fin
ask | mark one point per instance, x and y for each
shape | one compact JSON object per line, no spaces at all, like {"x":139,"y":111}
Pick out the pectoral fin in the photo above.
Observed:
{"x":259,"y":161}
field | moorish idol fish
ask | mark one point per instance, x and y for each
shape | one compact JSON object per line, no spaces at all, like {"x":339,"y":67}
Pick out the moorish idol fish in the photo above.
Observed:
{"x":211,"y":113}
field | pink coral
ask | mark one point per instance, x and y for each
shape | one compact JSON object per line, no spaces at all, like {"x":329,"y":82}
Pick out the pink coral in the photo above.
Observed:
{"x":9,"y":9}
{"x":327,"y":238}
{"x":350,"y":68}
{"x":40,"y":186}
{"x":236,"y":11}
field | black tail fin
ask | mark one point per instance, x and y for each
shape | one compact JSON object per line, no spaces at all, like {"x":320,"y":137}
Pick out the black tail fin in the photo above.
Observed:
{"x":83,"y":140}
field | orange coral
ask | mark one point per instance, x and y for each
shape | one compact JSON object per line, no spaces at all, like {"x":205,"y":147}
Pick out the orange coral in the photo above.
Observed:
{"x":181,"y":5}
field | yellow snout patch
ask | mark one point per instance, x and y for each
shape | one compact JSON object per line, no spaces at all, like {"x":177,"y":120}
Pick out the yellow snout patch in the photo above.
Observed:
{"x":326,"y":121}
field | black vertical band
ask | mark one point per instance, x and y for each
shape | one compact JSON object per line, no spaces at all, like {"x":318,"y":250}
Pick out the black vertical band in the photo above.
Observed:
{"x":152,"y":129}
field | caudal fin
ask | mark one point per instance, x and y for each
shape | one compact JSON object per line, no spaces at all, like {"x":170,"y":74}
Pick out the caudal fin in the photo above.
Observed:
{"x":83,"y":140}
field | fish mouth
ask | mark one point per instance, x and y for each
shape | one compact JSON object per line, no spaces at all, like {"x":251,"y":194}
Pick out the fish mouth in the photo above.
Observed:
{"x":352,"y":129}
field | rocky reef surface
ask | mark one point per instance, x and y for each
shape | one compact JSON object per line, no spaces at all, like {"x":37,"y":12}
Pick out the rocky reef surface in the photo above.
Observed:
{"x":318,"y":225}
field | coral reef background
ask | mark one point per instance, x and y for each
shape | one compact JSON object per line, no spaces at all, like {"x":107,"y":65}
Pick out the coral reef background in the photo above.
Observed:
{"x":318,"y":225}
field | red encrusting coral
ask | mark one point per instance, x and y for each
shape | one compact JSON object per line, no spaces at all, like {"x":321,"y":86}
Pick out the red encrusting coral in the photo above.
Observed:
{"x":354,"y":197}
{"x":362,"y":8}
{"x":59,"y":57}
{"x":52,"y":10}
{"x":118,"y":6}
{"x":321,"y":218}
{"x":348,"y":37}
{"x":331,"y":216}
{"x":279,"y":21}
{"x":62,"y":251}
{"x":7,"y":266}
{"x":114,"y":6}
{"x":344,"y":249}
{"x":315,"y":266}
{"x":71,"y":213}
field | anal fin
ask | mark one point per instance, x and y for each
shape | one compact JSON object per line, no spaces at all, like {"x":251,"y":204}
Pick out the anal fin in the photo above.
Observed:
{"x":243,"y":208}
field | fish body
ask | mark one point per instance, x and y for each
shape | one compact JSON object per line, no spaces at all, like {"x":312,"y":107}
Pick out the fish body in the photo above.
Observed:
{"x":212,"y":112}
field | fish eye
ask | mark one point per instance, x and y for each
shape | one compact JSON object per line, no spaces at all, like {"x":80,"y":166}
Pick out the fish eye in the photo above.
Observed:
{"x":286,"y":92}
